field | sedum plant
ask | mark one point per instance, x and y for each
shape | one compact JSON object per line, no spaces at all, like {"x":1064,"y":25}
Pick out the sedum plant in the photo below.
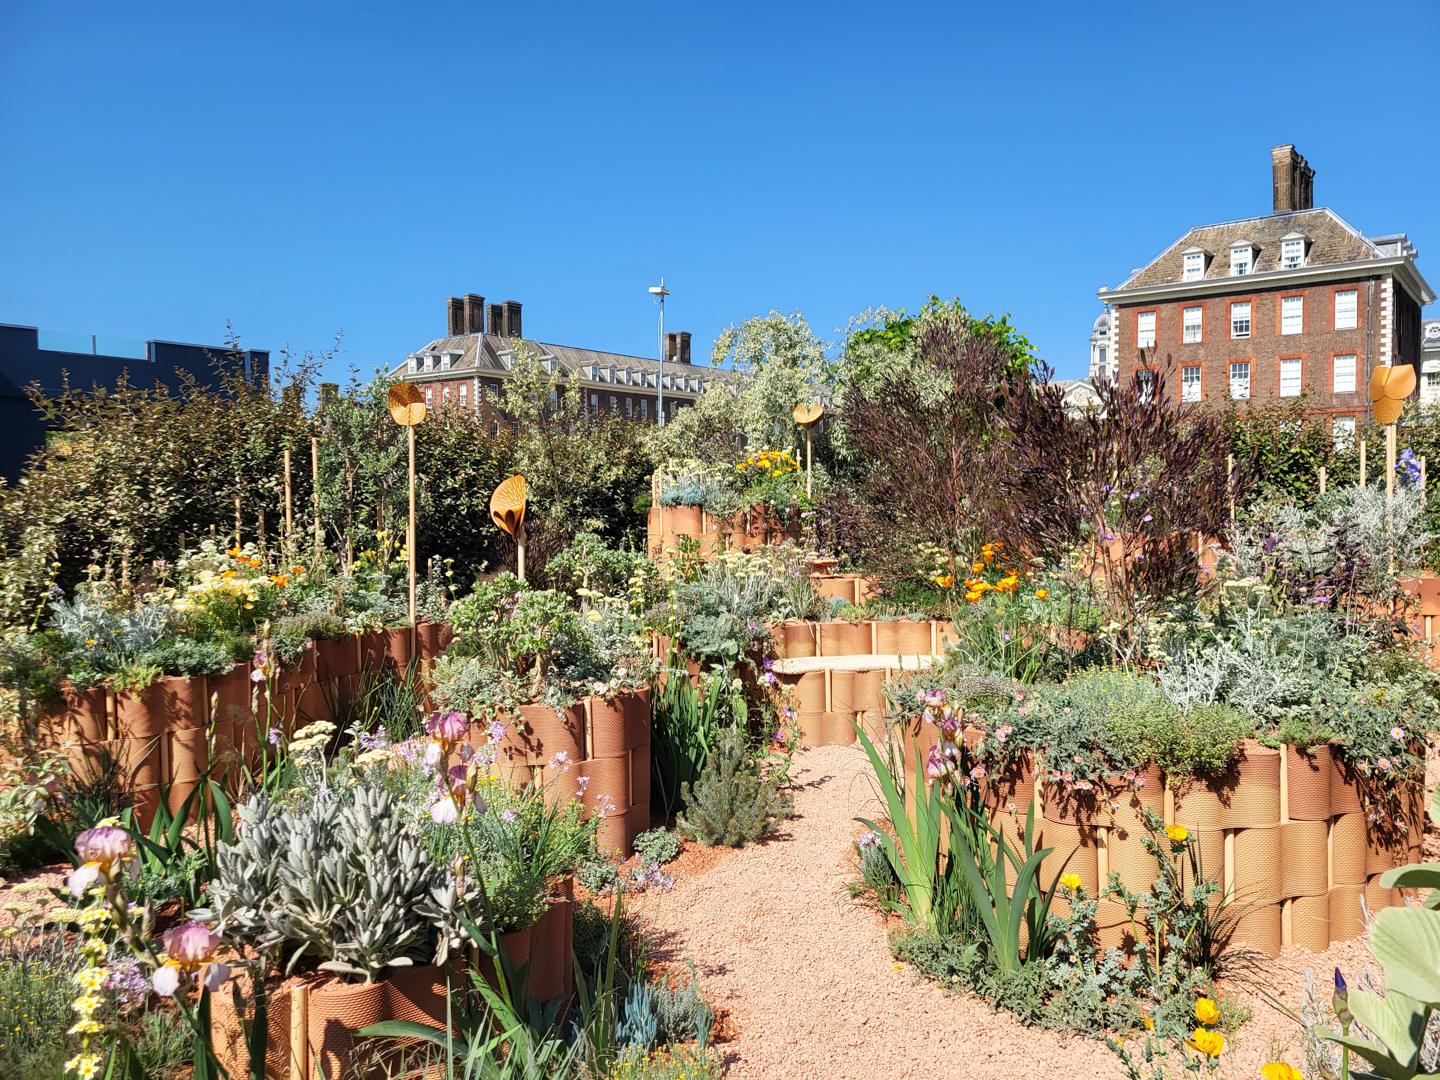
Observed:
{"x":340,"y":879}
{"x":729,"y":804}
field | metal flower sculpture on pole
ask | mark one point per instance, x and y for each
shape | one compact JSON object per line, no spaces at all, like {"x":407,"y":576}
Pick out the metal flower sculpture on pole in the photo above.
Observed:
{"x":407,"y":408}
{"x":507,"y":508}
{"x":807,"y":416}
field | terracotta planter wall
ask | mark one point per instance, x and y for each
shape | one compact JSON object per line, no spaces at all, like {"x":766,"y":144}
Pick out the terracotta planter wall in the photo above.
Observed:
{"x":1282,"y":831}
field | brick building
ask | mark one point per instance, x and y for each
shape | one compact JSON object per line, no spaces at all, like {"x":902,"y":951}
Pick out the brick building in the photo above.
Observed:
{"x":469,"y":366}
{"x":1270,"y":307}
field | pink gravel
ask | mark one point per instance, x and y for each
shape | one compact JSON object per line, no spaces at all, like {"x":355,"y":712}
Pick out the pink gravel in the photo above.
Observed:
{"x":808,"y":987}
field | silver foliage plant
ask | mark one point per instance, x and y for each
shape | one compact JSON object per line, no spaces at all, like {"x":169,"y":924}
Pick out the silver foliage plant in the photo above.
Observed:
{"x":344,"y":879}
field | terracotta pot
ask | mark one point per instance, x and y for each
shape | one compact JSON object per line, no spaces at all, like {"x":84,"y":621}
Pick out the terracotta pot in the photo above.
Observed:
{"x":400,"y":645}
{"x":1346,"y":921}
{"x":912,"y":638}
{"x":1310,"y":922}
{"x":607,"y":726}
{"x":227,"y":1031}
{"x":85,"y":712}
{"x":337,"y":658}
{"x":835,"y":638}
{"x":231,"y":692}
{"x":797,"y":638}
{"x":434,"y":638}
{"x":373,"y":645}
{"x":608,"y":784}
{"x":1308,"y":783}
{"x":1349,"y":845}
{"x":637,"y":717}
{"x":1421,"y":594}
{"x":337,"y":1011}
{"x":1254,"y":792}
{"x":143,"y":714}
{"x":543,"y":732}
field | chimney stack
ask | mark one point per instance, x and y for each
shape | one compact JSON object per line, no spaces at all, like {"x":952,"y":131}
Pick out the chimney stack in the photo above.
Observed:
{"x":512,"y":319}
{"x":474,"y":314}
{"x":1294,"y":180}
{"x":677,"y":347}
{"x":497,"y":319}
{"x":455,"y":312}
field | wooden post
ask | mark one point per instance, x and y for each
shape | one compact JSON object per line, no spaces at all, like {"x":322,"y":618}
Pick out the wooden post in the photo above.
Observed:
{"x":1230,"y":482}
{"x":410,"y":530}
{"x":261,"y":519}
{"x":237,"y":519}
{"x":1228,"y":882}
{"x":1422,"y":482}
{"x":1390,"y":489}
{"x":808,"y":469}
{"x":520,"y":552}
{"x":1362,"y":463}
{"x":315,"y":494}
{"x":1322,"y":479}
{"x":289,"y":506}
{"x":300,"y":1032}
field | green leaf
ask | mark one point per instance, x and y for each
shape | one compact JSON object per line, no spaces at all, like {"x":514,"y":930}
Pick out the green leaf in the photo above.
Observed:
{"x":1387,"y":1065}
{"x":1406,"y":941}
{"x":1413,"y":876}
{"x":1396,"y":1020}
{"x":404,"y":1029}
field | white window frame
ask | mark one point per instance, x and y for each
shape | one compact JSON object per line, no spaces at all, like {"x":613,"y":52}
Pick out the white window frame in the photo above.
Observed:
{"x":412,"y":363}
{"x":445,"y":394}
{"x":1292,"y":254}
{"x":1194,"y":267}
{"x":644,"y":408}
{"x":1249,"y":307}
{"x":1292,"y":315}
{"x":429,"y":362}
{"x":1197,"y":326}
{"x":1245,"y":263}
{"x":594,"y":404}
{"x":1239,"y":379}
{"x":429,"y":397}
{"x":1292,"y":376}
{"x":1342,"y":432}
{"x":1352,"y":317}
{"x":1142,"y":332}
{"x":1191,"y":388}
{"x":464,"y":393}
{"x":1339,"y":385}
{"x":1146,"y":380}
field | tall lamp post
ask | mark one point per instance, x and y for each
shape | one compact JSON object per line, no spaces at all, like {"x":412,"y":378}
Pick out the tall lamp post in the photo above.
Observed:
{"x":660,"y":292}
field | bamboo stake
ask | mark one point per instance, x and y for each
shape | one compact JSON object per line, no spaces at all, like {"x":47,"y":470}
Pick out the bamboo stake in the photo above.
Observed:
{"x":1423,"y":497}
{"x":299,"y":1032}
{"x":1390,"y":489}
{"x":1230,"y":480}
{"x":289,"y":506}
{"x":410,"y":530}
{"x":315,"y":493}
{"x":1362,"y":463}
{"x":808,"y":469}
{"x":1322,"y":479}
{"x":237,"y":519}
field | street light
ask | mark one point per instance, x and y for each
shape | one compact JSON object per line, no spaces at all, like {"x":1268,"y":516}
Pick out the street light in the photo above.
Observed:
{"x":660,"y":292}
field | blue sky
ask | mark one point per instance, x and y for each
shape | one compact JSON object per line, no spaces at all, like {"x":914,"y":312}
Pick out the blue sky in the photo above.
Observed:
{"x":303,"y":168}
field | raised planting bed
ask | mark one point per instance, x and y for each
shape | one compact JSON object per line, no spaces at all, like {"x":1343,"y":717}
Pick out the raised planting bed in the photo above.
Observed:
{"x":1284,"y":832}
{"x":749,"y":529}
{"x":883,"y":637}
{"x":169,"y":734}
{"x":605,"y":743}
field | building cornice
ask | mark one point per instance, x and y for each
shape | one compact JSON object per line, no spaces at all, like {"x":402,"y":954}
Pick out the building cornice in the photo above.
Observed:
{"x":1401,"y":266}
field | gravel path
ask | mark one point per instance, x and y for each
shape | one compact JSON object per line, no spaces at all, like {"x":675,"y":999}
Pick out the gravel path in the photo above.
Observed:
{"x":808,"y":988}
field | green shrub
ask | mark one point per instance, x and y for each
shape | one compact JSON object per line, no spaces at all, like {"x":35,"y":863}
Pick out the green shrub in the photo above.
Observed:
{"x":1202,"y":741}
{"x":35,"y":997}
{"x":681,"y":1014}
{"x":730,"y":805}
{"x":657,"y":846}
{"x":599,"y":876}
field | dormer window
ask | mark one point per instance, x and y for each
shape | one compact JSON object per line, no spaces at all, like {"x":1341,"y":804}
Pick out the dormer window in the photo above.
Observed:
{"x":429,"y":361}
{"x":1195,"y":260}
{"x":1292,"y":252}
{"x":412,"y":363}
{"x":449,"y":359}
{"x":1242,"y":259}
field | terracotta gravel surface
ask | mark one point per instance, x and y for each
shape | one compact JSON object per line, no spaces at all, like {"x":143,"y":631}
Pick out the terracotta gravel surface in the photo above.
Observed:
{"x":807,"y":987}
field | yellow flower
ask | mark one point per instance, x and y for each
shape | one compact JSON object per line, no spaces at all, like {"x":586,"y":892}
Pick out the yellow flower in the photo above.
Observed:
{"x":1071,"y":881}
{"x":946,"y":581}
{"x":1206,"y":1012}
{"x":1207,"y":1042}
{"x":975,"y":568}
{"x":253,"y":562}
{"x":972,"y":596}
{"x":1278,"y":1070}
{"x":1149,"y":1024}
{"x":1178,"y":833}
{"x":1041,"y":594}
{"x":228,"y":573}
{"x":898,"y":967}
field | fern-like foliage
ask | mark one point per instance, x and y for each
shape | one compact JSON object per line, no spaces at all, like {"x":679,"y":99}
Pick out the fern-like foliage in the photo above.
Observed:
{"x":729,"y":804}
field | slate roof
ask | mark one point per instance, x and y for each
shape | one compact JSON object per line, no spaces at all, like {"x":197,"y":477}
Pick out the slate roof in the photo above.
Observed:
{"x":1331,"y":241}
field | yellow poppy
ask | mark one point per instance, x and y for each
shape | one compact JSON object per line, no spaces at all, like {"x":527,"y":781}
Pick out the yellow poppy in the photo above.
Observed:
{"x":253,"y":562}
{"x":1279,"y":1070}
{"x":1206,"y":1012}
{"x":945,"y":581}
{"x":1149,"y":1024}
{"x":1071,"y":881}
{"x":1041,"y":594}
{"x":1209,"y":1043}
{"x":972,"y":596}
{"x":1178,"y":833}
{"x":228,"y":573}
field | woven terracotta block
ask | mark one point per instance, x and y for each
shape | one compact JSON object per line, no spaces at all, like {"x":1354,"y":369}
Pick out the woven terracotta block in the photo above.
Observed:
{"x":810,"y":692}
{"x":842,"y":691}
{"x":1126,"y":855}
{"x":373,"y":644}
{"x":887,"y":637}
{"x":1257,"y":866}
{"x":812,"y":727}
{"x":1310,"y":921}
{"x":618,"y":831}
{"x":85,"y":711}
{"x":337,"y":658}
{"x":796,"y":638}
{"x":637,"y":717}
{"x":231,"y":692}
{"x":542,"y":732}
{"x":1383,"y":852}
{"x":607,"y":726}
{"x":1066,"y":839}
{"x":1350,"y":849}
{"x":867,"y":693}
{"x":607,"y":777}
{"x":1378,"y":898}
{"x":143,"y":714}
{"x":1346,"y":922}
{"x":640,"y":775}
{"x":1258,"y":928}
{"x":1344,"y":787}
{"x":1199,"y":805}
{"x":1254,"y":795}
{"x":1114,"y":929}
{"x":1308,"y":783}
{"x":912,"y":638}
{"x":1304,"y":855}
{"x":837,"y":728}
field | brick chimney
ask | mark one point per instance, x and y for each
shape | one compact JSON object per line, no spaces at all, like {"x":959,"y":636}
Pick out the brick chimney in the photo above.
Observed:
{"x":1294,"y":180}
{"x":455,"y":312}
{"x":677,"y":347}
{"x":496,"y":318}
{"x":512,"y":319}
{"x":474,"y":314}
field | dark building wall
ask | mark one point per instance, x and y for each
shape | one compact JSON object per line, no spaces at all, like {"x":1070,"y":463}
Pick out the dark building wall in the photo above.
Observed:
{"x":23,"y":362}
